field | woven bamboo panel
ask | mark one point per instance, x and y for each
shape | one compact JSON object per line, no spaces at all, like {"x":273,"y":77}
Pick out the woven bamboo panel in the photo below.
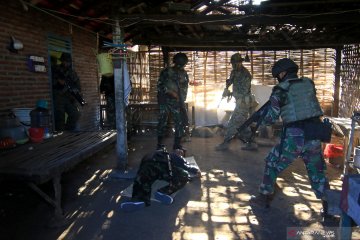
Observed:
{"x":350,"y":82}
{"x":209,"y":70}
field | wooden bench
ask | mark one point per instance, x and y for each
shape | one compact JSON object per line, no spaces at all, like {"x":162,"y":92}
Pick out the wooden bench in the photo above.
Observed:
{"x":38,"y":163}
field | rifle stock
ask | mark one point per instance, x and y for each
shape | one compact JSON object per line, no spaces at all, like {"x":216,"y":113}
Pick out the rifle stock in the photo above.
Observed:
{"x":257,"y":117}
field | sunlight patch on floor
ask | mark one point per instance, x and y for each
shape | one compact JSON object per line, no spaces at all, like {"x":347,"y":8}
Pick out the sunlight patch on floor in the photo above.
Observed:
{"x":302,"y":211}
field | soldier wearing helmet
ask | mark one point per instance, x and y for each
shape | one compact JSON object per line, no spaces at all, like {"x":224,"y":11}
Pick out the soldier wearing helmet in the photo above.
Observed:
{"x":294,"y":100}
{"x":240,"y":79}
{"x":64,"y":102}
{"x":172,"y":90}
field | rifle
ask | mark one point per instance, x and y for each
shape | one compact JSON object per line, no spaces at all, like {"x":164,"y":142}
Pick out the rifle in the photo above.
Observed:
{"x":75,"y":92}
{"x":185,"y":119}
{"x":70,"y":86}
{"x":226,"y":92}
{"x":257,"y":117}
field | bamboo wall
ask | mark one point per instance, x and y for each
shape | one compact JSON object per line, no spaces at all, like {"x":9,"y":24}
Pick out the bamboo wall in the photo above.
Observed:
{"x":209,"y":70}
{"x":350,"y":87}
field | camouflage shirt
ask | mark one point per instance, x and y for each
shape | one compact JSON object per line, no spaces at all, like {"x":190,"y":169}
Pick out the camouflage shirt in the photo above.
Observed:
{"x":241,"y":81}
{"x":169,"y":77}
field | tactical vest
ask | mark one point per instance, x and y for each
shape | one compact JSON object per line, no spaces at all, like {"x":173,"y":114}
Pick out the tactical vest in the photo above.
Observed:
{"x":301,"y":102}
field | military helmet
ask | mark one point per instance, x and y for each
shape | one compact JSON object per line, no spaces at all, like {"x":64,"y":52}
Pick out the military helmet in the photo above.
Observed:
{"x":65,"y":57}
{"x":236,"y":58}
{"x":180,"y":59}
{"x":285,"y":64}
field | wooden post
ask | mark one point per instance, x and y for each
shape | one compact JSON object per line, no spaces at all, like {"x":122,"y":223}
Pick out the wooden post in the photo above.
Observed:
{"x":335,"y":112}
{"x":252,"y":63}
{"x":121,"y":145}
{"x":301,"y":62}
{"x":263,"y":67}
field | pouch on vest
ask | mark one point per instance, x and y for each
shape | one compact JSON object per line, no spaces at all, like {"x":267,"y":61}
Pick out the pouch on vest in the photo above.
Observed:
{"x":318,"y":130}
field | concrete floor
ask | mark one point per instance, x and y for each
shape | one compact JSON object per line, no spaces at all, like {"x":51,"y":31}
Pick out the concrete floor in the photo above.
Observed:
{"x":213,"y":207}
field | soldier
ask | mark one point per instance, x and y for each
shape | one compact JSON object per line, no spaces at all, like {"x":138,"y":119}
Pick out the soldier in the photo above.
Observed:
{"x":172,"y":90}
{"x":160,"y":165}
{"x":240,"y":78}
{"x":64,"y":102}
{"x":294,"y":99}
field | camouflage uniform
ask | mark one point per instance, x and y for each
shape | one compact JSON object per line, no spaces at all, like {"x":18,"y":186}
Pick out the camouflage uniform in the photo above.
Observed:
{"x":292,"y":146}
{"x":245,"y":102}
{"x":156,"y":167}
{"x":168,"y":104}
{"x":64,"y":102}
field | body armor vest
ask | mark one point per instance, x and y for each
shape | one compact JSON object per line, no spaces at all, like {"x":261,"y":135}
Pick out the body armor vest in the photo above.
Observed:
{"x":301,"y":102}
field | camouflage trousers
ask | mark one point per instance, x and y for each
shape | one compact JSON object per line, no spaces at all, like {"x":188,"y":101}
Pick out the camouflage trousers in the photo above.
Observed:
{"x":170,"y":107}
{"x":149,"y":172}
{"x":65,"y":104}
{"x":240,"y":114}
{"x":292,"y":148}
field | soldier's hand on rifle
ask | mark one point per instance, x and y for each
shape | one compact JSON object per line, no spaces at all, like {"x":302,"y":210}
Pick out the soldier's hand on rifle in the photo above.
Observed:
{"x":61,"y":82}
{"x":173,"y":94}
{"x":226,"y":93}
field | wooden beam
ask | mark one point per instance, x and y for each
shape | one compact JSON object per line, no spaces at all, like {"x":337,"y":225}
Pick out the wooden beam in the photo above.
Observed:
{"x":228,"y":44}
{"x":337,"y":18}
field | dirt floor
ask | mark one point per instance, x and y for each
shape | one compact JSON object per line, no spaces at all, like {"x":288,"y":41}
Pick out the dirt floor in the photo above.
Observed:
{"x":213,"y":207}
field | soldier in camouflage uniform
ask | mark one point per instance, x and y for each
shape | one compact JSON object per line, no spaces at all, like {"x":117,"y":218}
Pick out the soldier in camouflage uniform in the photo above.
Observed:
{"x":172,"y":90}
{"x":64,"y":102}
{"x":240,"y":78}
{"x":160,"y":165}
{"x":294,"y":99}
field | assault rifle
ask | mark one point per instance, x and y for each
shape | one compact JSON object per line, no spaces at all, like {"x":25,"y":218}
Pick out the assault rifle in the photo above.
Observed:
{"x":75,"y":92}
{"x":257,"y":117}
{"x":226,"y":92}
{"x":71,"y":87}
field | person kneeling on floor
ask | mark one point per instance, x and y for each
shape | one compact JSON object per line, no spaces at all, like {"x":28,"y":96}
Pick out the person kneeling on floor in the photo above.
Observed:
{"x":160,"y":165}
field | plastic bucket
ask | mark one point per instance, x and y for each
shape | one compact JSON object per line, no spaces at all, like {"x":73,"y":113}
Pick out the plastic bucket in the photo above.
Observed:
{"x":106,"y":67}
{"x":36,"y":134}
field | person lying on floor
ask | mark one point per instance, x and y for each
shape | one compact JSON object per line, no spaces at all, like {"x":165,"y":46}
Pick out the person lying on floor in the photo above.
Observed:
{"x":160,"y":165}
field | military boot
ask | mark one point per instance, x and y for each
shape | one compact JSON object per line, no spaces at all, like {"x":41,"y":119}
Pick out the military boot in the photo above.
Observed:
{"x":250,"y":146}
{"x":222,"y":146}
{"x":261,"y":200}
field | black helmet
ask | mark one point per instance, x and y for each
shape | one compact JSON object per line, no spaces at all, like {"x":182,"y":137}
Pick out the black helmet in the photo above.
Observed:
{"x":285,"y":64}
{"x":65,"y":57}
{"x":236,"y":58}
{"x":180,"y":59}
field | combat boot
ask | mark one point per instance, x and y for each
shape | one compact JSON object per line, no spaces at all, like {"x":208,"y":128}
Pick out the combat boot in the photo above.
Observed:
{"x":261,"y":200}
{"x":250,"y":146}
{"x":222,"y":146}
